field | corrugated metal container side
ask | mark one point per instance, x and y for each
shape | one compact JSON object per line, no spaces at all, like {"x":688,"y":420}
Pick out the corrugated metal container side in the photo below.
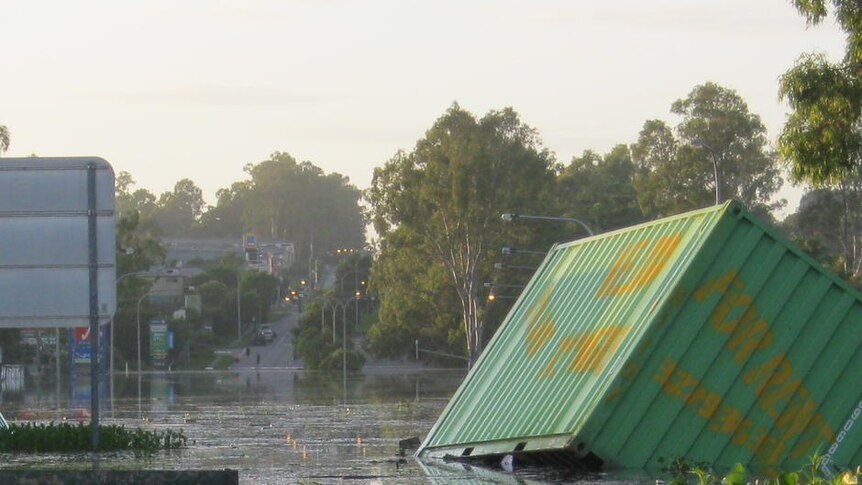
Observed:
{"x":706,"y":335}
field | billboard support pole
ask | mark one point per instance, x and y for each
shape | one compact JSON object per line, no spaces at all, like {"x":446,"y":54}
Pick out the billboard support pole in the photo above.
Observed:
{"x":94,"y":306}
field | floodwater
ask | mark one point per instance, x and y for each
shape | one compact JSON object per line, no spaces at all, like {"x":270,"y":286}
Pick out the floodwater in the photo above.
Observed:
{"x":274,"y":426}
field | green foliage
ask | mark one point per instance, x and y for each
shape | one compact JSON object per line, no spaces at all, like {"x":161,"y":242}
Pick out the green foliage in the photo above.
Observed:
{"x":847,"y":14}
{"x":333,"y":361}
{"x":137,"y":250}
{"x":828,"y":224}
{"x":218,"y":307}
{"x":259,"y":292}
{"x":417,"y":302}
{"x":821,"y":138}
{"x":65,"y":437}
{"x":351,"y":272}
{"x":314,"y":342}
{"x":674,"y":175}
{"x":810,"y":474}
{"x":599,"y":190}
{"x":217,"y":286}
{"x":178,"y":211}
{"x":223,"y":362}
{"x":140,"y":202}
{"x":441,"y":204}
{"x":289,"y":200}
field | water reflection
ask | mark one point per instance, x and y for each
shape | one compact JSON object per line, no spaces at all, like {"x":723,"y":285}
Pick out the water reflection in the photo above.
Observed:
{"x":273,"y":426}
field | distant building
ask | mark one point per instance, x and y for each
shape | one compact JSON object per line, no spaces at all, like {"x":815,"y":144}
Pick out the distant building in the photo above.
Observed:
{"x":265,"y":255}
{"x":168,"y":290}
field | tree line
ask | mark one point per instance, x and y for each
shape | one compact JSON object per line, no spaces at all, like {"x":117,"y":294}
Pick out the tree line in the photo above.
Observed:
{"x":441,"y":202}
{"x":282,"y":199}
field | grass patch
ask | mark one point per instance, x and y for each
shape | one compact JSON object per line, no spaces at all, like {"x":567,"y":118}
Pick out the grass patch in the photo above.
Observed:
{"x":65,"y":437}
{"x":223,"y":362}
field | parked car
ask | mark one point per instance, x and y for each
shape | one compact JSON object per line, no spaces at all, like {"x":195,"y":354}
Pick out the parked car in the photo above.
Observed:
{"x":263,"y":336}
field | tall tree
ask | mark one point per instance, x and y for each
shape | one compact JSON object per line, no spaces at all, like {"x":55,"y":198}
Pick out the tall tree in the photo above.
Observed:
{"x":4,"y":139}
{"x":717,"y":135}
{"x":417,"y":300}
{"x":178,"y":211}
{"x":822,"y":138}
{"x":828,"y":223}
{"x":128,"y":200}
{"x":294,"y":201}
{"x":847,"y":14}
{"x":226,"y":218}
{"x":448,"y":194}
{"x":599,"y":190}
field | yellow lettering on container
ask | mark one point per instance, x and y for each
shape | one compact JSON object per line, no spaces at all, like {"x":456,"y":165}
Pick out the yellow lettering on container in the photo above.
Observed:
{"x":638,"y":264}
{"x":592,"y":349}
{"x":540,"y":326}
{"x":752,"y":334}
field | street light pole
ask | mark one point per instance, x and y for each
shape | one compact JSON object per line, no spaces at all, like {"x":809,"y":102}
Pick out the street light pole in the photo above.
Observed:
{"x":511,"y":216}
{"x":122,"y":277}
{"x":344,"y":353}
{"x":508,"y":250}
{"x":238,"y":306}
{"x":716,"y":166}
{"x":141,"y":299}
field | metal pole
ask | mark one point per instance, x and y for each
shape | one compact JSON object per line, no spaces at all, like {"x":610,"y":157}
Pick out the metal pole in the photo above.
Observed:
{"x":139,"y":329}
{"x":57,"y":359}
{"x":716,"y":167}
{"x":134,"y":273}
{"x":344,"y":352}
{"x":334,"y":312}
{"x":509,"y":216}
{"x":94,"y":305}
{"x":238,"y":307}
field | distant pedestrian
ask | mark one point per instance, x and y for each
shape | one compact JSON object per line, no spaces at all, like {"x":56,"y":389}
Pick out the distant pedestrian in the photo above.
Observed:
{"x":247,"y":351}
{"x":258,"y":360}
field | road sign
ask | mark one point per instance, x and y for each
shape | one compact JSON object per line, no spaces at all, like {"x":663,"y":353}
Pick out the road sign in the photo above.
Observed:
{"x":45,"y":242}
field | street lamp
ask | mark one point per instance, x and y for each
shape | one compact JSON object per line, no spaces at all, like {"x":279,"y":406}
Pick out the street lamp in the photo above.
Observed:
{"x":502,"y":266}
{"x":511,"y":216}
{"x":509,"y":250}
{"x":499,"y":285}
{"x":493,"y":296}
{"x":355,"y":283}
{"x":716,"y":165}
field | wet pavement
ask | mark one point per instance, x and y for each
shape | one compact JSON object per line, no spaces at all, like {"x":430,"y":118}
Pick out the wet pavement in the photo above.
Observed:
{"x":274,"y":426}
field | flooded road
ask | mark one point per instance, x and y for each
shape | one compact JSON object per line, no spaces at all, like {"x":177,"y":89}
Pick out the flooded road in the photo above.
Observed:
{"x":273,"y":426}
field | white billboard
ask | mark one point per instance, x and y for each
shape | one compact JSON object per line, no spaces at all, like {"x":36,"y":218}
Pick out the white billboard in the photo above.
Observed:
{"x":45,"y":242}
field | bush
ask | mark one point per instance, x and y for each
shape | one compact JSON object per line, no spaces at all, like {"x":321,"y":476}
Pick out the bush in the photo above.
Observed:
{"x":64,"y":437}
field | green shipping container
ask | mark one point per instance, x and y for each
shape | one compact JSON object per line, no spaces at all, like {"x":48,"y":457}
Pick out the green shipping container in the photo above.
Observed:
{"x":705,"y":335}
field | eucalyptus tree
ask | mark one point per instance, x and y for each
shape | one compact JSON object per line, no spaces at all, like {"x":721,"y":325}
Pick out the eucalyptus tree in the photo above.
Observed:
{"x":718,"y":144}
{"x":440,"y":204}
{"x":828,"y":224}
{"x":599,"y":189}
{"x":292,"y":201}
{"x":822,"y":139}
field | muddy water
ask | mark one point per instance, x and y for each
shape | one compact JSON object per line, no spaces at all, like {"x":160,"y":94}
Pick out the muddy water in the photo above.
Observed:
{"x":272,"y":426}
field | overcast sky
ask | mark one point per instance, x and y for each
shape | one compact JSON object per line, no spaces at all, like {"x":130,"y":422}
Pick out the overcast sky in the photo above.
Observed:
{"x":172,"y":89}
